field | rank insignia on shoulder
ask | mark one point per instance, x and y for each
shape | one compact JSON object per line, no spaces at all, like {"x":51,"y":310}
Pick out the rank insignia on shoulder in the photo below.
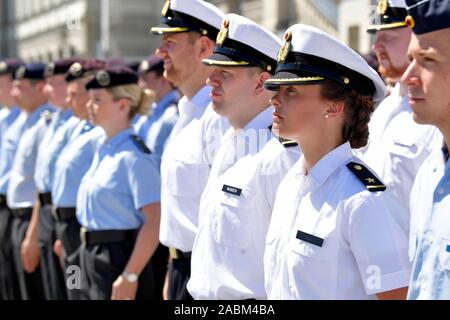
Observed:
{"x":285,"y":142}
{"x":368,"y":179}
{"x":288,"y":143}
{"x":231,"y":190}
{"x":140,"y":144}
{"x":47,"y":116}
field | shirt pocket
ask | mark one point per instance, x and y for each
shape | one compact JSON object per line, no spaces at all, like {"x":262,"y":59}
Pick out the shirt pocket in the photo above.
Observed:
{"x":187,"y":178}
{"x":308,"y":249}
{"x":406,"y":147}
{"x":444,"y":255}
{"x":231,"y":220}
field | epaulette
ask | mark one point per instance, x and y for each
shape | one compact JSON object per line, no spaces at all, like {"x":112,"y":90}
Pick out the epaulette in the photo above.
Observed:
{"x":47,"y":116}
{"x":368,"y":179}
{"x":140,"y":144}
{"x":285,"y":142}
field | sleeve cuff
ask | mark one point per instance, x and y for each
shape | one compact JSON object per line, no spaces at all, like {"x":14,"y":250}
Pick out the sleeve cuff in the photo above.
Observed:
{"x":387,"y":282}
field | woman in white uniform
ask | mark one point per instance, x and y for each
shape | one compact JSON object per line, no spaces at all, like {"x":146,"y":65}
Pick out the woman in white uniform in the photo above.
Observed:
{"x":336,"y":232}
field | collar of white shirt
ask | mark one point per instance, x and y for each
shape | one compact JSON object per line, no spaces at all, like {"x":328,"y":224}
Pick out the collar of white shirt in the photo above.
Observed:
{"x":329,"y":163}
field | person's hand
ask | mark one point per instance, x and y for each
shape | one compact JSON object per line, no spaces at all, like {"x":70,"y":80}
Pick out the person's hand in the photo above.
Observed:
{"x":58,"y":250}
{"x":123,"y":289}
{"x":30,"y":254}
{"x":165,"y":292}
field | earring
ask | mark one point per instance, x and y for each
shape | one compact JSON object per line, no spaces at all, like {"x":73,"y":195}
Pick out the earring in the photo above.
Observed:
{"x":327,"y":116}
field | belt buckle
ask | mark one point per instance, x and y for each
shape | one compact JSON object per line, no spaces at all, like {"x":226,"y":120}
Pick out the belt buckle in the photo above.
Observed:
{"x":83,"y":233}
{"x":173,"y":253}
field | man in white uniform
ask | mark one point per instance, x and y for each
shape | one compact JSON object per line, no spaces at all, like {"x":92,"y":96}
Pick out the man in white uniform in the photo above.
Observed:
{"x":428,"y":81}
{"x":189,"y":29}
{"x":227,"y":259}
{"x":397,"y":144}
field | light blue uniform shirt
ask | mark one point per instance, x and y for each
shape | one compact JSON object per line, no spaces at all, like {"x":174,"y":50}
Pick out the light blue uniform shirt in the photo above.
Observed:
{"x":72,"y":165}
{"x":7,"y":117}
{"x":429,"y":245}
{"x":137,"y":122}
{"x":11,"y":132}
{"x":121,"y":180}
{"x":54,"y":140}
{"x":22,"y":188}
{"x":157,"y":128}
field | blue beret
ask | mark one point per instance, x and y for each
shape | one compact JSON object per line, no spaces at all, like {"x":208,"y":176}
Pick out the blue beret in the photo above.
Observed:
{"x":60,"y":66}
{"x":31,"y":71}
{"x":84,"y":68}
{"x":9,"y":66}
{"x":112,"y":77}
{"x":151,"y":63}
{"x":428,"y":15}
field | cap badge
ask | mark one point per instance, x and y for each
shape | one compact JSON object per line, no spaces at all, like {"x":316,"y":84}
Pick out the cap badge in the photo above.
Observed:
{"x":410,"y":22}
{"x":76,"y":69}
{"x":284,"y":51}
{"x":3,"y":67}
{"x":103,"y":78}
{"x":144,"y":66}
{"x":49,"y":69}
{"x":20,"y":73}
{"x":223,"y":32}
{"x":382,"y":7}
{"x":165,"y":8}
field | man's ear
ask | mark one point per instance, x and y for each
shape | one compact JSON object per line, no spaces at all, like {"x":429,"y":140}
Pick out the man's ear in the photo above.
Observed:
{"x":335,"y":109}
{"x":261,"y":78}
{"x":206,"y":47}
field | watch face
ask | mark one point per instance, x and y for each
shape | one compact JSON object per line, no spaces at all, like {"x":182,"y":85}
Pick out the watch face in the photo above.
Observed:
{"x":131,"y":277}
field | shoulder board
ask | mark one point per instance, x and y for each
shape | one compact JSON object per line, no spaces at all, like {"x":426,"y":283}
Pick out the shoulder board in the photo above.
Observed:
{"x":140,"y":144}
{"x":285,"y":142}
{"x":47,"y":116}
{"x":368,"y":179}
{"x":289,"y":143}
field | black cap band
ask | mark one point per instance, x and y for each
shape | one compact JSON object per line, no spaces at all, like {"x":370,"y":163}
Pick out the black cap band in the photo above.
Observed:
{"x":238,"y":51}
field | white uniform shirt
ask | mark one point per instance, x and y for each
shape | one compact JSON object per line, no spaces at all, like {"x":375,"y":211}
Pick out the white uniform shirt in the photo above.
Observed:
{"x":185,"y":167}
{"x":227,"y":259}
{"x":365,"y":245}
{"x":429,"y":246}
{"x":398,"y":145}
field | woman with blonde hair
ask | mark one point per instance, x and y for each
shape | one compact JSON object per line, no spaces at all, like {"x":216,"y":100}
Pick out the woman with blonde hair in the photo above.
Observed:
{"x":118,"y":200}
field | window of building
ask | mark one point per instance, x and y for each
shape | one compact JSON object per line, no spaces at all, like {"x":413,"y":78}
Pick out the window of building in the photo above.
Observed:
{"x":353,"y":37}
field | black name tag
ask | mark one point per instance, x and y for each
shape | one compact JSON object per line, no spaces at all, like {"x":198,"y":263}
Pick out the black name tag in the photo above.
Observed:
{"x":309,"y":238}
{"x":231,"y":190}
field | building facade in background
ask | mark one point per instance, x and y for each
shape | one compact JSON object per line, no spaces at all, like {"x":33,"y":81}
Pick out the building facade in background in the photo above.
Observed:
{"x":50,"y":29}
{"x":354,"y":19}
{"x":7,"y":28}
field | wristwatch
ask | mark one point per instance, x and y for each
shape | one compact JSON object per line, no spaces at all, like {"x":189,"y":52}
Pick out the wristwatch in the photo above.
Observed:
{"x":130,"y":277}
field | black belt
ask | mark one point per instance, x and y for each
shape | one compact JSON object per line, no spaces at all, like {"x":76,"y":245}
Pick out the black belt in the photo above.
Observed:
{"x":178,"y":254}
{"x":45,"y":198}
{"x":61,"y":214}
{"x":92,"y":238}
{"x":22,"y":212}
{"x":3,"y":200}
